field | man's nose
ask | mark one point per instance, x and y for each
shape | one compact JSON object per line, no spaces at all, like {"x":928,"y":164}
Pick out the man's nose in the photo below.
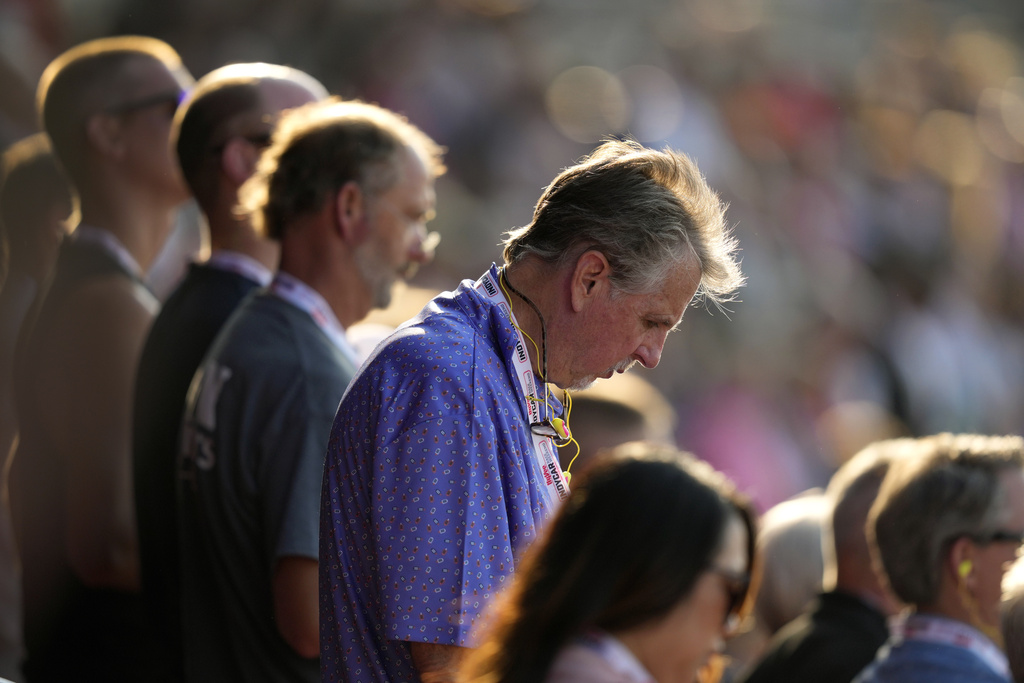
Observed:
{"x":423,"y":245}
{"x":649,"y":352}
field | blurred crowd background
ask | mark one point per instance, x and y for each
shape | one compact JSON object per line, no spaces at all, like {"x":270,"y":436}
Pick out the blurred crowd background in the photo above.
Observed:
{"x":871,"y":152}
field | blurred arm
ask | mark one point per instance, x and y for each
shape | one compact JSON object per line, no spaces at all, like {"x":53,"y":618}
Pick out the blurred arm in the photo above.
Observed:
{"x":96,"y":356}
{"x":295,"y":586}
{"x":437,"y":663}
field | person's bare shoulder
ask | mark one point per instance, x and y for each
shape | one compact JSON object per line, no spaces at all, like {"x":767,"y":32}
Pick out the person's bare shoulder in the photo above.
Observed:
{"x":93,"y":346}
{"x":106,"y":310}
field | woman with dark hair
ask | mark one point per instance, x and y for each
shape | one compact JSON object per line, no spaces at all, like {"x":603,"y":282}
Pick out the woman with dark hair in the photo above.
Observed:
{"x":639,"y":578}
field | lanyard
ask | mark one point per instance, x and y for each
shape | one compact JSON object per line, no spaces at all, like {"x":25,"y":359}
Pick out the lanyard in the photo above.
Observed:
{"x":929,"y":629}
{"x":305,"y":298}
{"x":240,"y":264}
{"x":544,"y":449}
{"x":106,"y":241}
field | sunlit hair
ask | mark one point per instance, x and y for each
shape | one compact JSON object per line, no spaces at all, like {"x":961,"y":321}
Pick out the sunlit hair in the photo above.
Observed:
{"x":224,"y":103}
{"x":319,"y":148}
{"x":852,"y":491}
{"x":32,"y":188}
{"x":645,"y":210}
{"x":941,"y":488}
{"x":84,"y":81}
{"x":638,"y":530}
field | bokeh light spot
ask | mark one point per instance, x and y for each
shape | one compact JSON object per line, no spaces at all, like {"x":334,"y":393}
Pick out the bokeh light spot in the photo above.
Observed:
{"x":586,"y":103}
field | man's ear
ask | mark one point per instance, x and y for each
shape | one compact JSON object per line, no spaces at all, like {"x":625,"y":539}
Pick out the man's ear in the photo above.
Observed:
{"x":350,"y":213}
{"x":589,"y":278}
{"x":103,"y":134}
{"x":959,"y":561}
{"x":238,"y":160}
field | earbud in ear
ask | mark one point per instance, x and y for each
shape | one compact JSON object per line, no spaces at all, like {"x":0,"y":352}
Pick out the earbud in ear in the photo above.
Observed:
{"x":965,"y":568}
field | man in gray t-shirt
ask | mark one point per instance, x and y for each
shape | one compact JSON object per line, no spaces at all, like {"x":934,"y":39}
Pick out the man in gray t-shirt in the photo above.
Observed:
{"x":346,"y":188}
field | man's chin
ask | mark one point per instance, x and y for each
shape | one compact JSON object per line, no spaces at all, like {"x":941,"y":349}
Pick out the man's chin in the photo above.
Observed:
{"x":581,"y":384}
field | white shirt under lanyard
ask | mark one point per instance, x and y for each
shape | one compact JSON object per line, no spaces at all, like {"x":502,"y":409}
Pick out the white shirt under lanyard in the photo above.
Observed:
{"x":544,"y":448}
{"x":618,"y":657}
{"x":110,"y":244}
{"x":922,"y":627}
{"x":305,"y":298}
{"x":240,"y":264}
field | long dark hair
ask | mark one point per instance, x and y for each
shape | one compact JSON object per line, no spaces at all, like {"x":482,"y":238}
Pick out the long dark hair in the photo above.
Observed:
{"x":629,"y":543}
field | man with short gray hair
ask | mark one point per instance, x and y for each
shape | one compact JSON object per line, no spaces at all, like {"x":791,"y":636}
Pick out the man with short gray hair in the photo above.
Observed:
{"x":442,"y":465}
{"x":948,"y":521}
{"x":346,"y":188}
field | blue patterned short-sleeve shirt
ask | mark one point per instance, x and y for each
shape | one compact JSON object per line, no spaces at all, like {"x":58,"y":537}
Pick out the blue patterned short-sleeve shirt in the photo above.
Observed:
{"x":431,"y":490}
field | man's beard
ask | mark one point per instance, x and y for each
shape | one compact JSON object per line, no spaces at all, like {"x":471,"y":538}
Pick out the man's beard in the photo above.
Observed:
{"x":375,"y":274}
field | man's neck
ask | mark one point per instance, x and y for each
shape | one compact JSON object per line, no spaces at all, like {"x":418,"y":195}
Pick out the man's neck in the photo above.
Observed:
{"x":142,"y":228}
{"x":524,"y":279}
{"x":230,"y":233}
{"x":329,"y":269}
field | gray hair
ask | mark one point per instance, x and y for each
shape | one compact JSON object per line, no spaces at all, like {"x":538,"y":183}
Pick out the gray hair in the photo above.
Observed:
{"x":949,"y":488}
{"x":320,"y":147}
{"x":645,"y":210}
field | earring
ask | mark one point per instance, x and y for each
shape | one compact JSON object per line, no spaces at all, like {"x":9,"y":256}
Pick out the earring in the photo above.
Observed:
{"x":965,"y":568}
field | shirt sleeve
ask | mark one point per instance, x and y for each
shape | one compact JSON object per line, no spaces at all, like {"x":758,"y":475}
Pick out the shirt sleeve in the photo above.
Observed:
{"x":294,"y":446}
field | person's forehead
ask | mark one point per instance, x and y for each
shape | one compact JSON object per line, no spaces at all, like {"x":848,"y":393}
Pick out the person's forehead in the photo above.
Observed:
{"x":414,"y":182}
{"x":673,"y":295}
{"x":1012,"y":483}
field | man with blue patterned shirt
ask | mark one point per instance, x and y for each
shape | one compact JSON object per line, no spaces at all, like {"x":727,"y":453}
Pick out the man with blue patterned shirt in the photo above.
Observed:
{"x":441,"y":467}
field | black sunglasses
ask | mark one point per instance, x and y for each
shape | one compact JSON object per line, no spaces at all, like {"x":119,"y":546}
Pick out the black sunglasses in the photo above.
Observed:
{"x":257,"y":140}
{"x":999,"y":536}
{"x":737,"y":584}
{"x":167,"y":98}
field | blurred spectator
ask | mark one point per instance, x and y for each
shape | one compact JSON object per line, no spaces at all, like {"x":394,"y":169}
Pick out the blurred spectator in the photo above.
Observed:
{"x":1013,"y":618}
{"x":35,"y":204}
{"x":454,"y":411}
{"x":790,"y":530}
{"x":218,"y":133}
{"x":610,"y":412}
{"x":839,"y":634}
{"x":623,"y":586}
{"x":947,"y":522}
{"x":345,"y":187}
{"x":107,"y":106}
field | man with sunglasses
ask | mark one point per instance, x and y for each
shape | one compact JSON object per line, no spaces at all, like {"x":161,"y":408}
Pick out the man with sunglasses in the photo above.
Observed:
{"x":443,"y":464}
{"x":947,"y":523}
{"x":219,"y":133}
{"x":107,"y":106}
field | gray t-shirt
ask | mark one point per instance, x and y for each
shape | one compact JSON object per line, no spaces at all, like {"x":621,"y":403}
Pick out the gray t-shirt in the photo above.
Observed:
{"x":257,"y":421}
